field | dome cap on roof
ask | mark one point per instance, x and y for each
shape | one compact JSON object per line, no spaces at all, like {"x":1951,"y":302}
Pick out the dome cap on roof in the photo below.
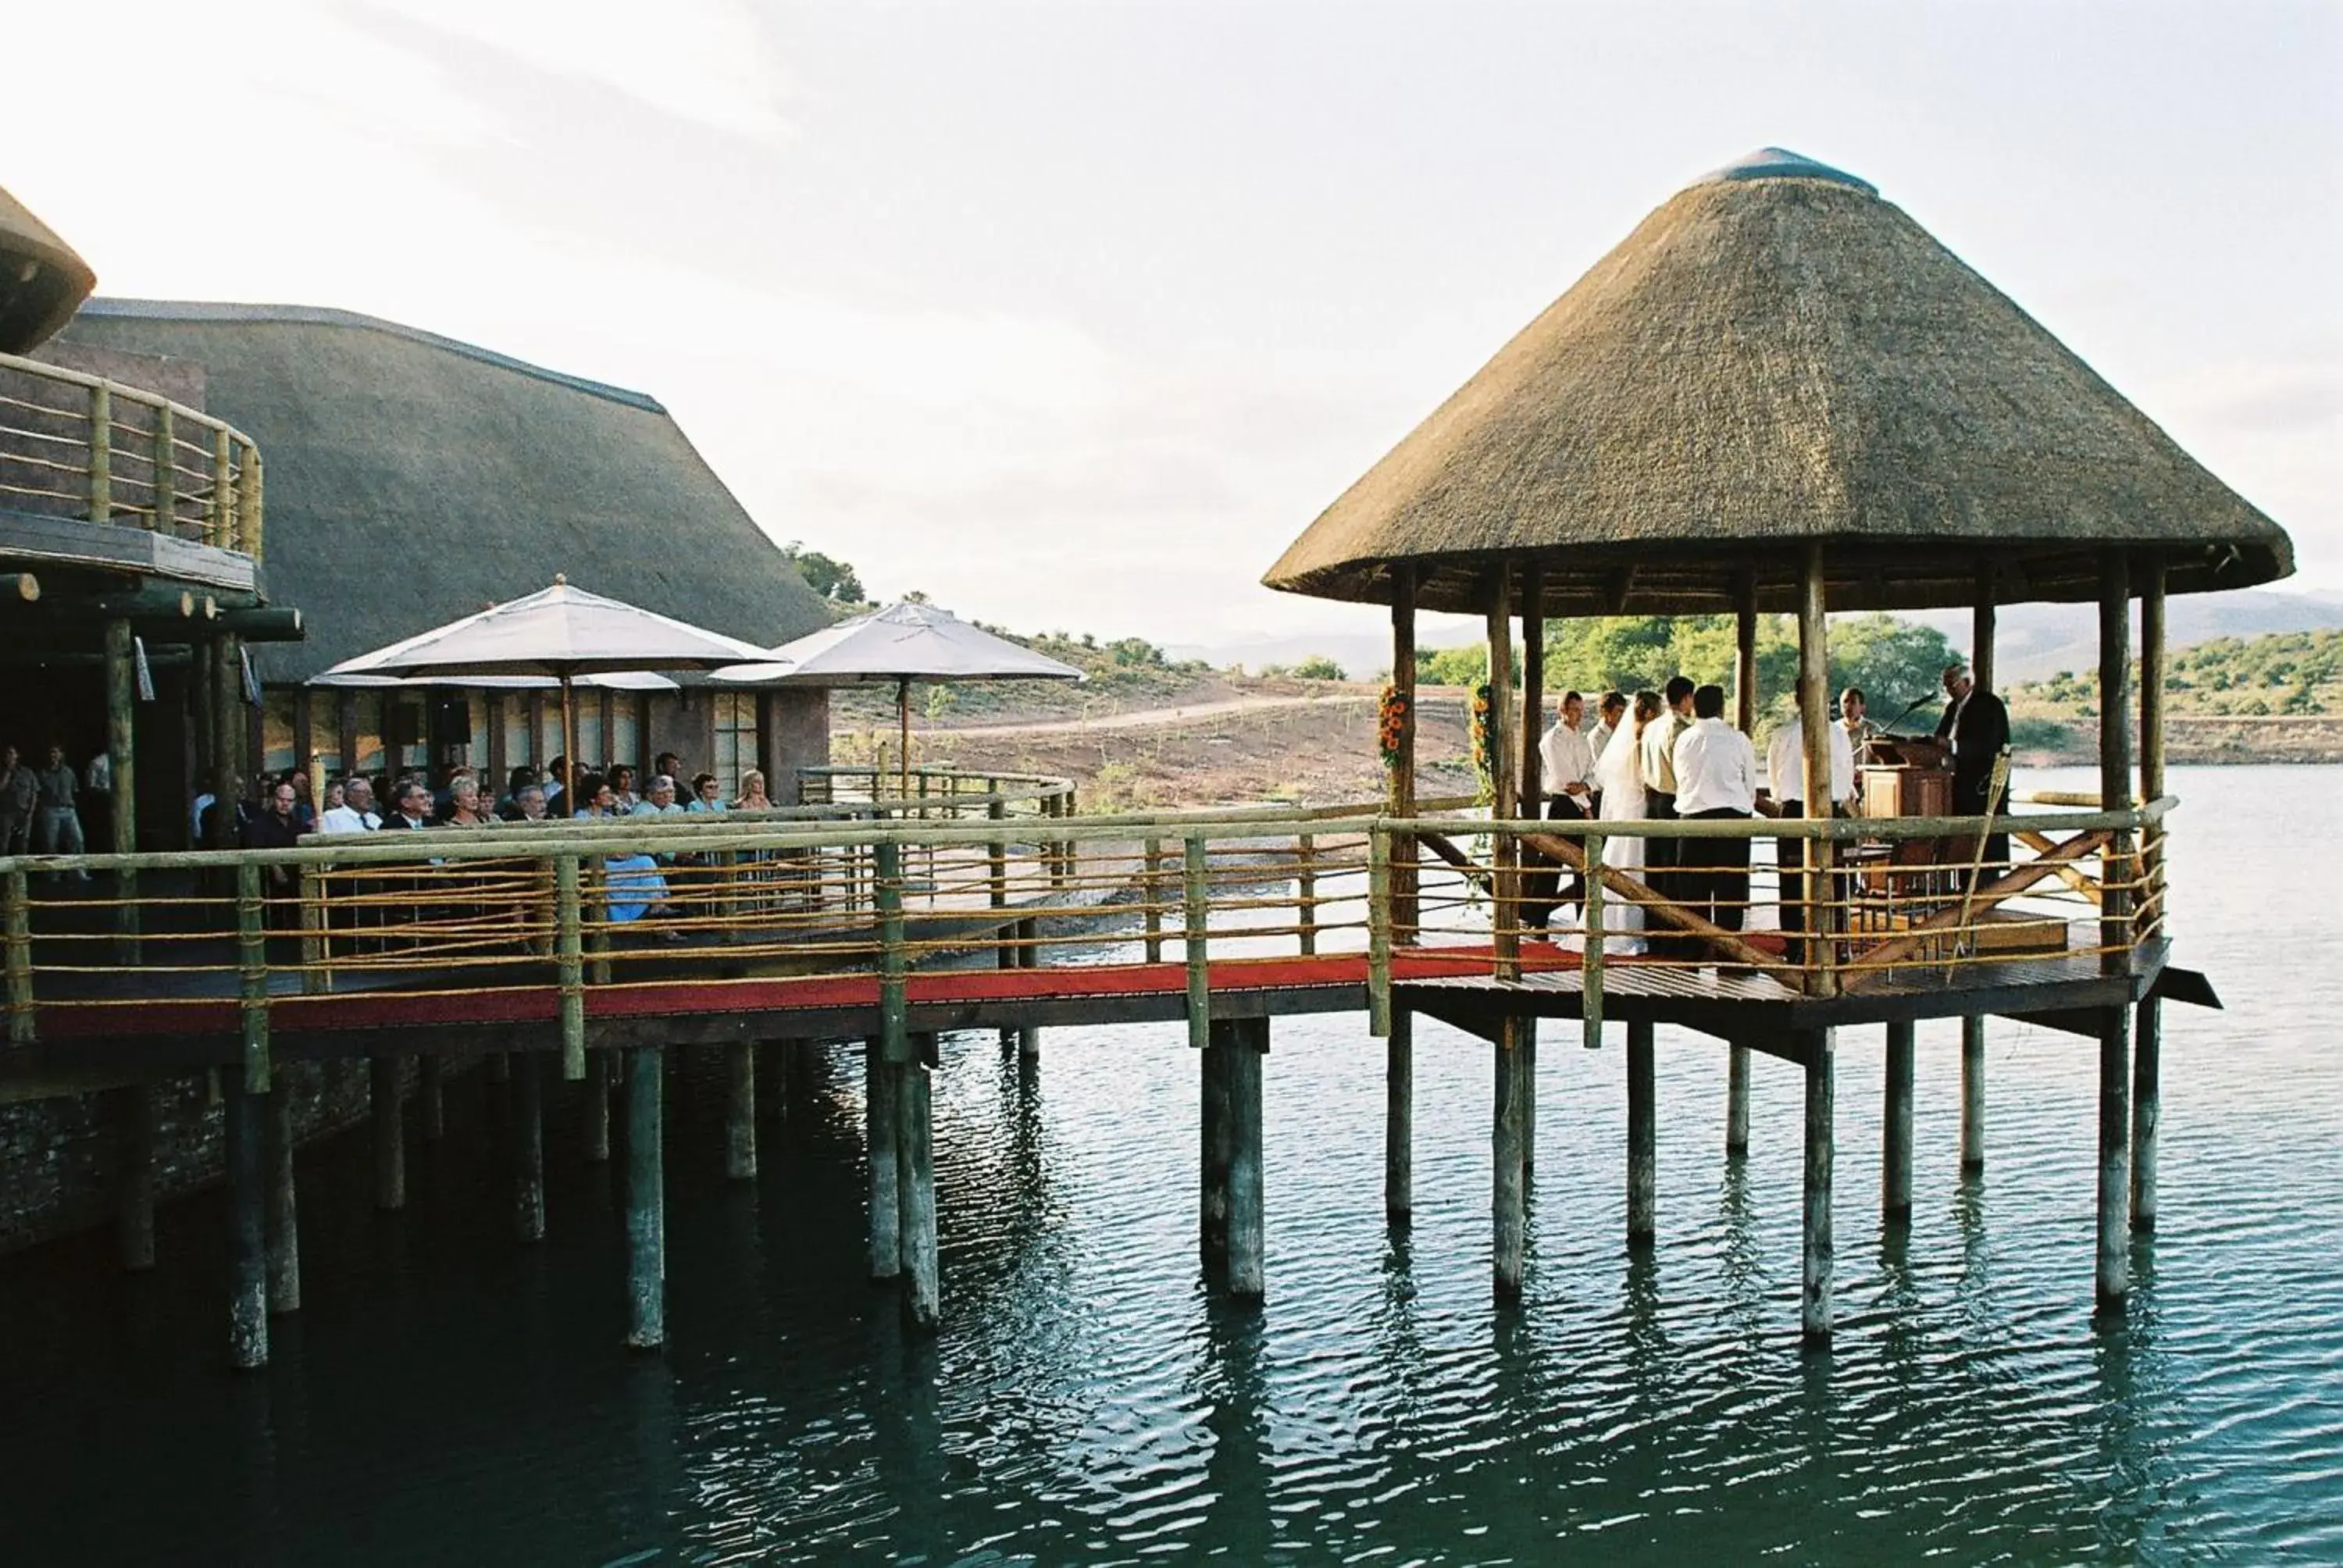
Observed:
{"x":41,"y":281}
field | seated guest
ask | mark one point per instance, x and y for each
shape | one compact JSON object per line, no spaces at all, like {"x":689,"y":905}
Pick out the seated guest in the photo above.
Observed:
{"x":464,"y":808}
{"x":305,"y":815}
{"x":556,"y":771}
{"x":274,"y":827}
{"x":670,"y":764}
{"x":658,"y":801}
{"x":752,"y":793}
{"x":356,"y":813}
{"x":333,"y":798}
{"x":1786,"y":760}
{"x":707,"y":794}
{"x":600,"y":802}
{"x":521,"y":778}
{"x":1716,"y":781}
{"x":412,"y":807}
{"x":529,"y":805}
{"x":622,"y":788}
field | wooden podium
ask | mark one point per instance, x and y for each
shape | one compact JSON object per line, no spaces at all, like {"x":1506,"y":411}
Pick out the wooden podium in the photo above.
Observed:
{"x":1905,"y":777}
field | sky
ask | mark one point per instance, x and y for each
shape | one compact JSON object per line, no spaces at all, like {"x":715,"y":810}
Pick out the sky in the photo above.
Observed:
{"x":1073,"y":316}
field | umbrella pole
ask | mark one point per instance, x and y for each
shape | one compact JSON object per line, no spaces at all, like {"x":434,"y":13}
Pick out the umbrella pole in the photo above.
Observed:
{"x":569,"y":753}
{"x":904,"y":725}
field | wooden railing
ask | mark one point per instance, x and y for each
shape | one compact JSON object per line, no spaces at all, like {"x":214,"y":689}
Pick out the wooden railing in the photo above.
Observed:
{"x":78,"y":445}
{"x":582,"y":907}
{"x":1903,"y":901}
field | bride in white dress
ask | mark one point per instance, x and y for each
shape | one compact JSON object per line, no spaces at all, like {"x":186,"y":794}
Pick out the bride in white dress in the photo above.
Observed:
{"x":1619,"y":772}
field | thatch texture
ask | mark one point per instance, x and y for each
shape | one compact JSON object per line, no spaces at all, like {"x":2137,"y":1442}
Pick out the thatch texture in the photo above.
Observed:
{"x":1774,"y":357}
{"x":41,"y":278}
{"x":412,"y":480}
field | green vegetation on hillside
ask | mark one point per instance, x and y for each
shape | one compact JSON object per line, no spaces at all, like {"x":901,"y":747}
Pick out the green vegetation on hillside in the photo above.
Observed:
{"x":1893,"y":660}
{"x":2295,"y":674}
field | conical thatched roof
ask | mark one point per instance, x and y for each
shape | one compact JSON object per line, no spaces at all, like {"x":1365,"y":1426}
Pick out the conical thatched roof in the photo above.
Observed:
{"x":1774,"y":357}
{"x":41,"y":281}
{"x":412,"y":478}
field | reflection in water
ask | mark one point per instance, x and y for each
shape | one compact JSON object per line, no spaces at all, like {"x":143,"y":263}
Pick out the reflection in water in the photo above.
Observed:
{"x":448,"y":1394}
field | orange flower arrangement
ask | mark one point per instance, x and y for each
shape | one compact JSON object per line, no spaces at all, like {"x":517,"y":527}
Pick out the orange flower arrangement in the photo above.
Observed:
{"x":1391,"y":725}
{"x":1483,"y":765}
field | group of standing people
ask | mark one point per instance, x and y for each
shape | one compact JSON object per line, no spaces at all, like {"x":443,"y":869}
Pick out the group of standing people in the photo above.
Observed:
{"x":40,"y":806}
{"x":1671,"y":755}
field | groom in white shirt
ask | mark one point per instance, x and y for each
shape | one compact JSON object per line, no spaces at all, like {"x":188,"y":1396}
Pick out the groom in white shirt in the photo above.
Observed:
{"x":1716,"y":781}
{"x":1566,"y":777}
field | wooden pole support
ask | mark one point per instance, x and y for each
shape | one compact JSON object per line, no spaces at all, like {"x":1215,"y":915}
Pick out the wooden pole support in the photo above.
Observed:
{"x":17,"y":893}
{"x":1151,"y":894}
{"x":1305,"y":892}
{"x":1508,"y":1213}
{"x":252,"y":976}
{"x":101,"y":454}
{"x":1400,"y":773}
{"x":740,"y":1111}
{"x":219,"y":511}
{"x":1895,"y":1127}
{"x":1505,"y":850}
{"x":1215,"y":1148}
{"x":1815,"y":1293}
{"x":1736,"y":1102}
{"x":1380,"y":1020}
{"x":2115,"y":758}
{"x":569,"y":962}
{"x":2147,"y":1110}
{"x":122,"y":759}
{"x":645,"y":1200}
{"x":894,"y":1000}
{"x":384,"y":1116}
{"x":1972,"y":1094}
{"x":431,"y":1096}
{"x":528,"y":1103}
{"x":247,"y":1310}
{"x":1247,"y":1045}
{"x":1814,"y":717}
{"x":1196,"y":891}
{"x":1399,"y":1117}
{"x":1591,"y":946}
{"x":164,"y":480}
{"x":283,"y":1228}
{"x":594,"y":1110}
{"x":880,"y":1086}
{"x":2115,"y":1158}
{"x":1643,"y":1132}
{"x":133,"y":1114}
{"x":915,"y":1190}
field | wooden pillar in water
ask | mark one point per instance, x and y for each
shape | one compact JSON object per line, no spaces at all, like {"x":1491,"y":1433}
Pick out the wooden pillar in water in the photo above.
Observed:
{"x":1215,"y":1145}
{"x":1399,"y":1117}
{"x":1643,"y":1132}
{"x":1504,"y":852}
{"x":880,"y":1090}
{"x":2147,"y":1039}
{"x":1972,"y":1095}
{"x":2115,"y":1023}
{"x":1530,"y":791}
{"x":431,"y":1096}
{"x":1814,"y":1295}
{"x":1814,"y":716}
{"x":528,"y":1144}
{"x":1507,"y":1208}
{"x":1895,"y":1127}
{"x":122,"y":756}
{"x":132,"y":1111}
{"x":1399,"y":782}
{"x":1745,"y":718}
{"x":283,"y":1223}
{"x":1247,"y":1045}
{"x":740,"y":1111}
{"x":247,"y":1224}
{"x":384,"y":1115}
{"x":594,"y":1105}
{"x":646,"y":1197}
{"x":915,"y":1185}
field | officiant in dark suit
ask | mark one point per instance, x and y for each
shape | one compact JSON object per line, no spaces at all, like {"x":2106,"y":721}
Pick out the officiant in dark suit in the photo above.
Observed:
{"x":1975,"y":726}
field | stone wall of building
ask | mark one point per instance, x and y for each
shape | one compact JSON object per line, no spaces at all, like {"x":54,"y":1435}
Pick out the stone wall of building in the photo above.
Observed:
{"x":59,"y":1157}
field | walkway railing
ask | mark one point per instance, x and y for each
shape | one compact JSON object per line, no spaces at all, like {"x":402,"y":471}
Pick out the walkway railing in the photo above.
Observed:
{"x":862,"y":912}
{"x":1817,"y":908}
{"x":81,"y":447}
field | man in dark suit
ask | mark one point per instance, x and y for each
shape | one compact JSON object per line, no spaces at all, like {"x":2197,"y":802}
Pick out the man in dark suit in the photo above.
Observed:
{"x":1977,"y":727}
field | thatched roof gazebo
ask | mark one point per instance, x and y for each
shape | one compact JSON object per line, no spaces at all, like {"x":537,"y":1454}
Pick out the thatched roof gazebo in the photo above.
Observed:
{"x":42,"y":280}
{"x":1781,"y":393}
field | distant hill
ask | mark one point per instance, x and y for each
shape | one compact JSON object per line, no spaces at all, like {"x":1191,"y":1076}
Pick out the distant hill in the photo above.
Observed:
{"x":2033,"y":641}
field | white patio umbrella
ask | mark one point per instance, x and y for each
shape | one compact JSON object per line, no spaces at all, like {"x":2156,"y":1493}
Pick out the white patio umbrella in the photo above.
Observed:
{"x":561,"y":633}
{"x":902,"y":643}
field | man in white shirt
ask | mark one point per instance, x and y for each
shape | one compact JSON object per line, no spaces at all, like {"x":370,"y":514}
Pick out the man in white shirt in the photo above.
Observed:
{"x":1716,"y":781}
{"x":1566,"y":776}
{"x":1787,"y":761}
{"x":1612,"y":709}
{"x":1657,"y":764}
{"x":356,"y":813}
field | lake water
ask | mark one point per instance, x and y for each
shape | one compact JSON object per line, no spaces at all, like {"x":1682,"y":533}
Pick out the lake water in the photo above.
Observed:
{"x":447,"y":1395}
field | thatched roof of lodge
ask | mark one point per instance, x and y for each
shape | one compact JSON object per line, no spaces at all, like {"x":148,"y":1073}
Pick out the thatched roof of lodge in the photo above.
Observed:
{"x":412,"y":480}
{"x":41,"y":278}
{"x":1778,"y":356}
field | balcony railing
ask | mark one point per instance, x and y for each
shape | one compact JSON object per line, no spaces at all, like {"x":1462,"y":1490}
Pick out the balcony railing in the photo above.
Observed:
{"x":78,"y":445}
